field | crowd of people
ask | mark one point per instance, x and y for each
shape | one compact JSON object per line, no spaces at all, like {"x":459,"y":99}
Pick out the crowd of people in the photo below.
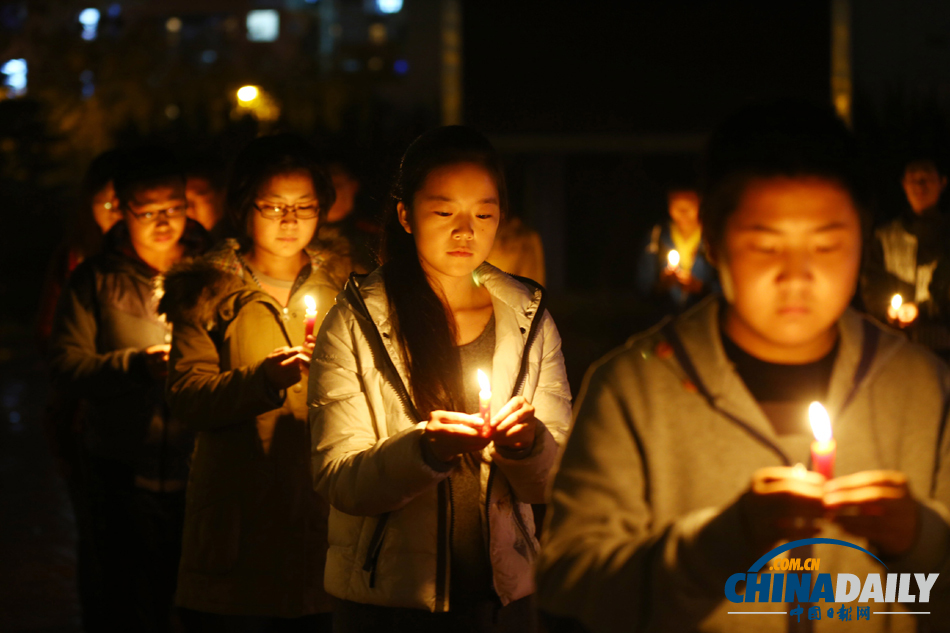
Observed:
{"x":274,"y":417}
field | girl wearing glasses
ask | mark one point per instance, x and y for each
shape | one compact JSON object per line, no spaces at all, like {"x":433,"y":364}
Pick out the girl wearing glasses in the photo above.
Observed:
{"x":255,"y":531}
{"x":430,"y":526}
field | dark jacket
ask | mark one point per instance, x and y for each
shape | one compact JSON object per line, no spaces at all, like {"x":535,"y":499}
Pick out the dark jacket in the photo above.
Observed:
{"x":903,"y":259}
{"x":105,"y":319}
{"x":254,"y":541}
{"x":653,"y":259}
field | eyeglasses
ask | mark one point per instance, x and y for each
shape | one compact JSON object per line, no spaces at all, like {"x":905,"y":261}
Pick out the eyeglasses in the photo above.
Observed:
{"x":151,"y":216}
{"x":301,"y":211}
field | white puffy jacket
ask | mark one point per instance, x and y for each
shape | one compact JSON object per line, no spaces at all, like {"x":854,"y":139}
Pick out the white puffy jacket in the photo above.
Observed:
{"x":391,"y":514}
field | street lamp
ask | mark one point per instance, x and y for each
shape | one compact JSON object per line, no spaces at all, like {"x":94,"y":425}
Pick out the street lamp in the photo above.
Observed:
{"x":247,"y":94}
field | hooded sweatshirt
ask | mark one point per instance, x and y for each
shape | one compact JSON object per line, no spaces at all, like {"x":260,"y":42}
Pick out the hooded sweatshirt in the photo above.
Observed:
{"x":645,"y":528}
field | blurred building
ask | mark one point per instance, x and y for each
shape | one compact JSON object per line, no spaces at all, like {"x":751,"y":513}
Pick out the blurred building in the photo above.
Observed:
{"x":348,"y":67}
{"x":79,"y":77}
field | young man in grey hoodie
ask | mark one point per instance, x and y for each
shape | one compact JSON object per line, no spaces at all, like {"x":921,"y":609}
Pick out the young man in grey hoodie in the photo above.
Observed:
{"x":686,"y":461}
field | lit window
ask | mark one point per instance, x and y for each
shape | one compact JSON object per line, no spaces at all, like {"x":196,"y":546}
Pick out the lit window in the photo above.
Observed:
{"x":263,"y":26}
{"x":173,"y":25}
{"x":89,"y":18}
{"x":377,"y":33}
{"x":400,"y":66}
{"x":15,"y":80}
{"x":389,"y":6}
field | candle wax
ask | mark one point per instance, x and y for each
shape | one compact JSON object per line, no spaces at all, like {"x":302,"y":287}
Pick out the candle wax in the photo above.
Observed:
{"x":310,"y":317}
{"x":484,"y":411}
{"x":823,"y":457}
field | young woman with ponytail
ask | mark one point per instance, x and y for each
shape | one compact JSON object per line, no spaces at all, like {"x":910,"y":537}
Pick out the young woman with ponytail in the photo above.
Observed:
{"x":430,"y":523}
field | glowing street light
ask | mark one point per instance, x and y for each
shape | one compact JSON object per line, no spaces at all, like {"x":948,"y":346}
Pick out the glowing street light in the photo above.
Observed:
{"x":389,"y":6}
{"x":247,"y":94}
{"x":15,"y":73}
{"x":89,"y":18}
{"x":255,"y":101}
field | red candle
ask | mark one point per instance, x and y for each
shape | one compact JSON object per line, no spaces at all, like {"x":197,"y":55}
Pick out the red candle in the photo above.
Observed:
{"x":484,"y":403}
{"x":311,"y":317}
{"x":824,"y":447}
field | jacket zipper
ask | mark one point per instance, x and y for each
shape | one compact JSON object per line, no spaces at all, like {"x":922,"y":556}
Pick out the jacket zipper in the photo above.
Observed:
{"x":519,"y":387}
{"x":376,"y":542}
{"x":445,"y":487}
{"x":445,"y":535}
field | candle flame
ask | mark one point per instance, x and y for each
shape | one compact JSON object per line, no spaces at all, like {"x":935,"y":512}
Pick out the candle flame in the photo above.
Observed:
{"x":311,"y":304}
{"x":483,"y":383}
{"x":896,"y":302}
{"x":673,"y":257}
{"x":820,"y":422}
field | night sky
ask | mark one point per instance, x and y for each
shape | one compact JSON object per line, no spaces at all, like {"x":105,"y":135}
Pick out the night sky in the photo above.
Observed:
{"x":637,"y":66}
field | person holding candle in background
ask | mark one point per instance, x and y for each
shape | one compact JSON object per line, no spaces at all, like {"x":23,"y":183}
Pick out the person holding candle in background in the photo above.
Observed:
{"x":903,"y":259}
{"x":681,"y":466}
{"x":431,"y":527}
{"x":673,"y":272}
{"x":255,"y":532}
{"x":109,"y":348}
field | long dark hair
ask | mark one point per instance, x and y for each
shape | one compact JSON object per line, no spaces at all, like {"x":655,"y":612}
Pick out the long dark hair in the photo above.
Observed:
{"x":425,"y":329}
{"x":262,"y":159}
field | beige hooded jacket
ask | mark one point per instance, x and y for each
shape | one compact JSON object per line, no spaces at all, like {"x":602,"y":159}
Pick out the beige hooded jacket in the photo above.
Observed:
{"x":255,"y":531}
{"x":390,"y":512}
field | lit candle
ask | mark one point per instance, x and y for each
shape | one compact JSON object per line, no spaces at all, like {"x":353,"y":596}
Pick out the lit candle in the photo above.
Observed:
{"x":824,"y":447}
{"x":311,"y":316}
{"x":484,"y":403}
{"x":673,"y":259}
{"x":896,"y":302}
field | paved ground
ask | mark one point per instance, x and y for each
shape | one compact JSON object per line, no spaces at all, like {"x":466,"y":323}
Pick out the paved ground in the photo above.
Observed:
{"x":37,"y":532}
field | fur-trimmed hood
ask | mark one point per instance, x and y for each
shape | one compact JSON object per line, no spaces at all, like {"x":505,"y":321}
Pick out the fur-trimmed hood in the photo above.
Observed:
{"x":195,"y":290}
{"x":253,"y":440}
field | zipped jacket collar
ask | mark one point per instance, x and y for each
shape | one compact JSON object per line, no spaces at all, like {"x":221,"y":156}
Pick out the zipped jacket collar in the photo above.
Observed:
{"x":366,"y":295}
